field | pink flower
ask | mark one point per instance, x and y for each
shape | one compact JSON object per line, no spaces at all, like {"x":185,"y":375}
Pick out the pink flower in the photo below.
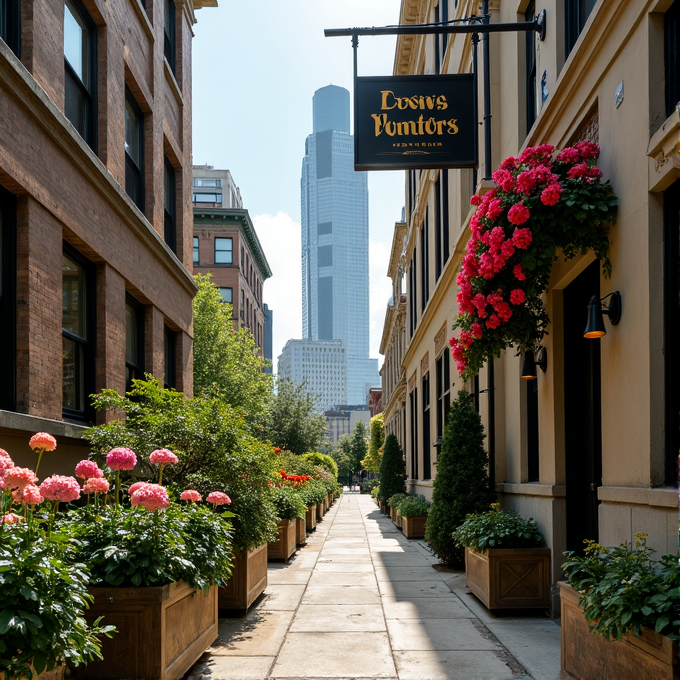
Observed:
{"x":218,"y":498}
{"x":493,"y":321}
{"x":588,"y":150}
{"x":10,"y":518}
{"x":504,"y":179}
{"x":135,"y":487}
{"x":190,"y":495}
{"x":537,"y":155}
{"x":32,"y":495}
{"x":43,"y":441}
{"x":475,"y":200}
{"x":517,"y":296}
{"x":551,"y":194}
{"x":60,"y":488}
{"x":87,"y":469}
{"x":151,"y":497}
{"x":504,"y":311}
{"x":477,"y":330}
{"x":163,"y":456}
{"x":518,"y":214}
{"x":569,"y":155}
{"x":466,"y":339}
{"x":96,"y":485}
{"x":18,"y":477}
{"x":526,"y":181}
{"x":510,"y":163}
{"x":5,"y":460}
{"x":584,"y":171}
{"x":518,"y":271}
{"x":495,"y":208}
{"x":121,"y":458}
{"x":521,"y":238}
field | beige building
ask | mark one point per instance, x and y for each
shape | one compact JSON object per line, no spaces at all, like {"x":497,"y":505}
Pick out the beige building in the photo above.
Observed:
{"x":589,"y":449}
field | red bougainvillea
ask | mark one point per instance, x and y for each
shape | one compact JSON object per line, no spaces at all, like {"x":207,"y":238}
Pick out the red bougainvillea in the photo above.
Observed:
{"x":544,"y":202}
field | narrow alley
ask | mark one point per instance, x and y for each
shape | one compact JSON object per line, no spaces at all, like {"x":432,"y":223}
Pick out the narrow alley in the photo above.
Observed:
{"x":361,"y":601}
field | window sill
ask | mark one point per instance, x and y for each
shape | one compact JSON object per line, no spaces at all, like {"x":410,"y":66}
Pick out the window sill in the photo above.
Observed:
{"x":144,"y":19}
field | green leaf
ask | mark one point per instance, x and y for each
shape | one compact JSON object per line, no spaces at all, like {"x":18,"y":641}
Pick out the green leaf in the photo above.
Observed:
{"x":29,"y":593}
{"x":661,"y":623}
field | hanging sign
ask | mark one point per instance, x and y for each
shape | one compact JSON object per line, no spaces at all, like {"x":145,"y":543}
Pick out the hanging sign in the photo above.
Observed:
{"x":408,"y":122}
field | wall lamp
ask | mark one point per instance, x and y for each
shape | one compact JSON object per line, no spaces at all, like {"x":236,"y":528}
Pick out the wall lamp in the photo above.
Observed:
{"x":595,"y":327}
{"x":531,"y":360}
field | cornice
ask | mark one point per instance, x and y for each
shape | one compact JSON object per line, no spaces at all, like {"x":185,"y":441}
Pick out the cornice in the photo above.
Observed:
{"x":397,"y":246}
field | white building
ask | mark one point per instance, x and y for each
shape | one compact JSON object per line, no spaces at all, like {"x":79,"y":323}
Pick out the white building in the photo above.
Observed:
{"x":319,"y":365}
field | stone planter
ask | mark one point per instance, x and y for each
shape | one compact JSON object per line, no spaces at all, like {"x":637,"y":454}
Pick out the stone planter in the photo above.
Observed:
{"x":162,"y":631}
{"x":310,"y":518}
{"x":284,"y":546}
{"x":300,"y":531}
{"x":248,"y":580}
{"x":413,"y":527}
{"x":593,"y":656}
{"x":509,"y":579}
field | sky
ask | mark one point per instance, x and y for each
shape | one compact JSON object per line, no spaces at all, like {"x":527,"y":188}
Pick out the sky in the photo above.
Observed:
{"x":256,"y":66}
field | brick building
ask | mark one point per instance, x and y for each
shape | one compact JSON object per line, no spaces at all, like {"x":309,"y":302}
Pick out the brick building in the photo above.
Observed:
{"x":225,"y":244}
{"x":95,"y":207}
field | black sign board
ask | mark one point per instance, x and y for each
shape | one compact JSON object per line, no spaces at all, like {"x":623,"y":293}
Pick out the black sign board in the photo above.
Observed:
{"x":404,"y":122}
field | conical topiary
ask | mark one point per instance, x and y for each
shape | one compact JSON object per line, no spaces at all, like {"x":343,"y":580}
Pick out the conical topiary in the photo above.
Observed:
{"x":462,"y":485}
{"x":392,"y":469}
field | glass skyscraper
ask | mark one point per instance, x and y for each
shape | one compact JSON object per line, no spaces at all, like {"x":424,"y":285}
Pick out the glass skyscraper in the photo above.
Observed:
{"x":335,"y":241}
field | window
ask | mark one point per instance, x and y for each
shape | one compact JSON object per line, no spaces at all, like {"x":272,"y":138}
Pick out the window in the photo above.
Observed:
{"x":441,"y":14}
{"x":425,"y":262}
{"x":576,"y":15}
{"x":10,"y":24}
{"x":427,"y":444}
{"x":208,"y":198}
{"x":672,"y":56}
{"x":170,"y":206}
{"x":224,"y":250}
{"x":196,"y":251}
{"x":170,"y":46}
{"x":134,"y":341}
{"x":8,"y":211}
{"x":530,"y":67}
{"x":413,"y":408}
{"x":227,"y":294}
{"x":532,"y":430}
{"x":77,"y":335}
{"x":443,"y":391}
{"x":134,"y":150}
{"x":243,"y":305}
{"x":441,"y":222}
{"x":80,"y":59}
{"x":203,"y":182}
{"x":169,"y":358}
{"x":412,"y":294}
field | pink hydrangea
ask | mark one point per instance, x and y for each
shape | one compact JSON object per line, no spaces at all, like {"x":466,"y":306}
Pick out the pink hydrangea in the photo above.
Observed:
{"x":521,"y":238}
{"x":588,"y":149}
{"x":504,"y":179}
{"x":495,"y":208}
{"x":518,"y":214}
{"x":151,"y":497}
{"x":96,"y":485}
{"x":510,"y":163}
{"x":569,"y":155}
{"x":32,"y":495}
{"x":476,"y":199}
{"x":43,"y":441}
{"x":517,"y":296}
{"x":519,"y":272}
{"x":136,"y":486}
{"x":121,"y":458}
{"x":163,"y":457}
{"x":87,"y":469}
{"x":60,"y":488}
{"x":10,"y":518}
{"x":584,"y":171}
{"x":18,"y":477}
{"x":526,"y":181}
{"x":5,"y":460}
{"x":551,"y":194}
{"x":190,"y":495}
{"x":537,"y":155}
{"x":218,"y":498}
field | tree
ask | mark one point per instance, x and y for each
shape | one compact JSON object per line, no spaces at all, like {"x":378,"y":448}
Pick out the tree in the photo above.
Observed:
{"x":359,"y":447}
{"x":372,"y":460}
{"x":227,"y":361}
{"x":292,"y":422}
{"x":462,"y":485}
{"x":392,"y":469}
{"x":341,"y":454}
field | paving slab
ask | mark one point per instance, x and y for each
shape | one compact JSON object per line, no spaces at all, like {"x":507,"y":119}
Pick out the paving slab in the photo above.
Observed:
{"x":338,"y":618}
{"x":343,"y":578}
{"x":437,"y":635}
{"x":288,"y":576}
{"x":347,"y":594}
{"x":395,"y":573}
{"x":428,"y":665}
{"x":259,"y":633}
{"x":324,"y":566}
{"x":281,"y":597}
{"x":232,"y":668}
{"x":425,"y":608}
{"x":407,"y":590}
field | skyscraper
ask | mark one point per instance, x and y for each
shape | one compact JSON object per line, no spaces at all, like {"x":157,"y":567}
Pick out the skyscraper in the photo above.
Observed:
{"x":335,"y":240}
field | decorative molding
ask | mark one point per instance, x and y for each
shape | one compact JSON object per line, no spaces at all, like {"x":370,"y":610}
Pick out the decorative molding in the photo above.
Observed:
{"x":664,"y":154}
{"x":412,"y":382}
{"x":440,"y":341}
{"x":425,"y":364}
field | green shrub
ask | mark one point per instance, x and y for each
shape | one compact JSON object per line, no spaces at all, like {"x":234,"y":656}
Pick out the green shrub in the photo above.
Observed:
{"x":462,"y":485}
{"x":497,"y":528}
{"x":369,"y":484}
{"x":392,"y":469}
{"x":322,"y":460}
{"x":414,"y":506}
{"x":375,"y":491}
{"x":394,"y":501}
{"x":288,"y":502}
{"x":312,"y":492}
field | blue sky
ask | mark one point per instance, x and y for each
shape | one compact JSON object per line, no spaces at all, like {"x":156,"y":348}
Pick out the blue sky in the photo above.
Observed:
{"x":256,"y":66}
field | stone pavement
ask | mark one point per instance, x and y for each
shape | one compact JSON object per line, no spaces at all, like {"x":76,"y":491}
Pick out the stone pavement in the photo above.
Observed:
{"x":361,"y":601}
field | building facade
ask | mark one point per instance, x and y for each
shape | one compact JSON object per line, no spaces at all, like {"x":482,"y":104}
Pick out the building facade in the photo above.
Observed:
{"x":95,"y":210}
{"x":319,"y":365}
{"x":590,"y":448}
{"x":335,"y":241}
{"x":342,"y":420}
{"x":226,"y":246}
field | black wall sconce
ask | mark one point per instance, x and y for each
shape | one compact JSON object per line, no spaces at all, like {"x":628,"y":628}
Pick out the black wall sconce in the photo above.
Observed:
{"x":531,"y":360}
{"x":595,"y":327}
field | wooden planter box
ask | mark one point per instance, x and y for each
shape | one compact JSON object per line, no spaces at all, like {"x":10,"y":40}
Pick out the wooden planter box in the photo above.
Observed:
{"x":284,"y":546}
{"x":503,"y":578}
{"x":393,"y":515}
{"x":248,"y":580}
{"x":310,"y":518}
{"x":413,"y":527}
{"x":162,"y":631}
{"x":319,"y":512}
{"x":595,"y":657}
{"x":301,"y":531}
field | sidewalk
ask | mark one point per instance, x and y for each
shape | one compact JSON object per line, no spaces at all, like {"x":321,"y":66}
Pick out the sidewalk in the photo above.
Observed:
{"x":361,"y":601}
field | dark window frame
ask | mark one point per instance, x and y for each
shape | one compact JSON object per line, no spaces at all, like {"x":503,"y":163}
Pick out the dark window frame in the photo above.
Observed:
{"x":443,"y":371}
{"x":196,"y":251}
{"x":133,"y":370}
{"x":576,"y":13}
{"x":533,"y":459}
{"x":10,"y":25}
{"x":530,"y":69}
{"x":170,"y":210}
{"x":425,"y":261}
{"x":672,"y":56}
{"x":427,"y":442}
{"x":169,"y":358}
{"x":170,"y":34}
{"x":222,"y":250}
{"x":413,"y":406}
{"x":8,"y":307}
{"x":134,"y":174}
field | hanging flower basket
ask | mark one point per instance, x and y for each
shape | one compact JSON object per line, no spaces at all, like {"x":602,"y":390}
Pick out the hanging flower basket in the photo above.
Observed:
{"x":544,"y":202}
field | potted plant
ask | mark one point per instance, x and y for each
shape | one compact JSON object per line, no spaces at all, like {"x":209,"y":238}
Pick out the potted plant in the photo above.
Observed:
{"x":505,"y":565}
{"x":413,"y":512}
{"x":619,"y":613}
{"x":393,"y":504}
{"x":289,"y":507}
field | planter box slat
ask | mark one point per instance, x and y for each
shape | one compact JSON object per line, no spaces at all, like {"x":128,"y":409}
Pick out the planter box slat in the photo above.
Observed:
{"x":284,"y":546}
{"x":310,"y":518}
{"x":301,"y":531}
{"x":248,"y":579}
{"x":413,"y":527}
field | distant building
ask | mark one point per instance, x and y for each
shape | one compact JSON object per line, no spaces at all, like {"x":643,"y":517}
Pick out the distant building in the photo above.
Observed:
{"x":320,"y":365}
{"x":342,"y":420}
{"x":226,"y":245}
{"x":375,"y":404}
{"x":268,"y":336}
